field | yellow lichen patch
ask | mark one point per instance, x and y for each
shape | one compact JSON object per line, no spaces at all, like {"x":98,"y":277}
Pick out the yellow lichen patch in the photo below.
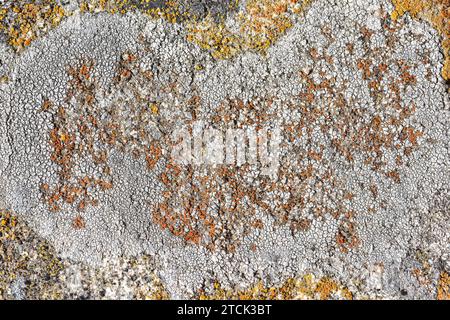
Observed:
{"x":214,"y":37}
{"x":154,"y":108}
{"x":307,"y":287}
{"x":261,"y":23}
{"x":436,"y":12}
{"x":24,"y":22}
{"x":443,"y":292}
{"x":169,"y":10}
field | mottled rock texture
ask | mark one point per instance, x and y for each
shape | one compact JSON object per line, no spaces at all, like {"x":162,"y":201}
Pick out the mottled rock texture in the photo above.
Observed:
{"x":91,"y":93}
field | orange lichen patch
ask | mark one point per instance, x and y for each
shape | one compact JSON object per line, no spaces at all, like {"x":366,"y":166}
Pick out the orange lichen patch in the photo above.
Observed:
{"x":66,"y":148}
{"x":261,"y":23}
{"x":374,"y":190}
{"x":373,"y":137}
{"x":443,"y":292}
{"x":214,"y":37}
{"x":312,"y":88}
{"x":437,"y":13}
{"x":355,"y":132}
{"x":411,"y":135}
{"x":78,"y":222}
{"x":124,"y":73}
{"x":421,"y":276}
{"x":304,"y":288}
{"x":300,"y":225}
{"x":325,"y":288}
{"x":24,"y":22}
{"x":154,"y":108}
{"x":215,"y":206}
{"x":264,"y":21}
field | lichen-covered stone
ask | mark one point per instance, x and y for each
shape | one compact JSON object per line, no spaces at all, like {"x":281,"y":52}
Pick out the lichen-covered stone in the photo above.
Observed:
{"x":358,"y":207}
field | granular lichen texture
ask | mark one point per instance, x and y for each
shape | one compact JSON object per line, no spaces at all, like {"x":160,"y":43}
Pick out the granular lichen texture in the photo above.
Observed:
{"x":251,"y":149}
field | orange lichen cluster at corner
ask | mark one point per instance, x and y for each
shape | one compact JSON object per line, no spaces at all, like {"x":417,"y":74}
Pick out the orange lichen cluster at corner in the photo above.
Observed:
{"x":436,"y":12}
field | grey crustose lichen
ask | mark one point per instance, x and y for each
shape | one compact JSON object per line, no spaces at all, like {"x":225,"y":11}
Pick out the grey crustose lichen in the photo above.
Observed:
{"x":337,"y":74}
